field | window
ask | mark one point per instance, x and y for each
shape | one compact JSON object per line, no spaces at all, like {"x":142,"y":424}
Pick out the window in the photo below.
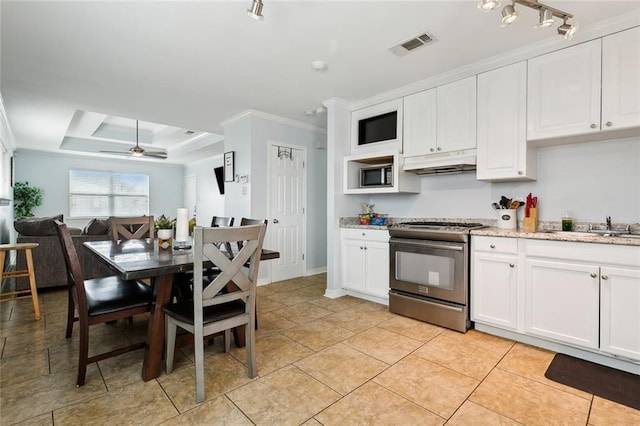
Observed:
{"x":101,"y":194}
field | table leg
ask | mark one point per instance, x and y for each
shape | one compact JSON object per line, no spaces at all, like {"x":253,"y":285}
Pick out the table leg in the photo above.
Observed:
{"x":152,"y":363}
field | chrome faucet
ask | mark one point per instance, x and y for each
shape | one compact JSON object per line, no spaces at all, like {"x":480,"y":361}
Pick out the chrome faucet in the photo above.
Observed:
{"x":608,"y":219}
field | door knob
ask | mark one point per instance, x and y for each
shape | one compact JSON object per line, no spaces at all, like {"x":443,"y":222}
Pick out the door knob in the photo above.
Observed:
{"x":605,"y":277}
{"x":593,"y":126}
{"x":593,"y":275}
{"x":276,"y":221}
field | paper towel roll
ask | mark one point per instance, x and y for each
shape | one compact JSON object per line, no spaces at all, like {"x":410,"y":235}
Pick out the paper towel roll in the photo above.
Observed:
{"x":182,"y":225}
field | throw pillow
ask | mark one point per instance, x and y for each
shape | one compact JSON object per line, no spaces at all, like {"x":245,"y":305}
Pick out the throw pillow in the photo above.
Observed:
{"x":36,"y":226}
{"x":97,"y":227}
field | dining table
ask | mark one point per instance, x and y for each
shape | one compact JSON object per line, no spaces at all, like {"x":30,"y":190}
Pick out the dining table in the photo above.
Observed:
{"x":145,"y":259}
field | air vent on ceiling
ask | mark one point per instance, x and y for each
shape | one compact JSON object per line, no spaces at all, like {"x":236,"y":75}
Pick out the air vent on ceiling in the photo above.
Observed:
{"x":412,"y":44}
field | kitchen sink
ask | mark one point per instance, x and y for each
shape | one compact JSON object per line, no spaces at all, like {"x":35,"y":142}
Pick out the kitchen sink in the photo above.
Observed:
{"x":594,"y":233}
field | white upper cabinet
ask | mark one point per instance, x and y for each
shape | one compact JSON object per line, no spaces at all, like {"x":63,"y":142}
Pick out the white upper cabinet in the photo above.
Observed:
{"x":502,"y":125}
{"x":420,"y":123}
{"x":621,"y":79}
{"x":441,"y":120}
{"x":564,"y":92}
{"x":456,"y":119}
{"x":586,"y":89}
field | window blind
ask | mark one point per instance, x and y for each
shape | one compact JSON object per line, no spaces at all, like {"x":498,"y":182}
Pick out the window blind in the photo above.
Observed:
{"x":94,"y":193}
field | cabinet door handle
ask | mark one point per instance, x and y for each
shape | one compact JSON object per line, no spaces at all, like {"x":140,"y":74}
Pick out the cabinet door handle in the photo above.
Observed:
{"x":365,"y":248}
{"x":605,"y":277}
{"x":361,"y":248}
{"x":593,"y":275}
{"x":520,"y":173}
{"x":439,"y":148}
{"x":492,"y":246}
{"x":609,"y":124}
{"x":431,"y":149}
{"x":511,"y":265}
{"x":594,"y":126}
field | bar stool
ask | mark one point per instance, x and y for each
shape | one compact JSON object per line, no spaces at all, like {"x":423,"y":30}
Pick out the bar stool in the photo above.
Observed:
{"x":21,"y":294}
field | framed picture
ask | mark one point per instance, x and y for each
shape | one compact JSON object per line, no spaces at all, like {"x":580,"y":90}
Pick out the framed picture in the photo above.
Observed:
{"x":229,"y":171}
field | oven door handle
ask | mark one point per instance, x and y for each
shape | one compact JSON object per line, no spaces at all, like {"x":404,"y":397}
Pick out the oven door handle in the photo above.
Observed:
{"x":430,"y":245}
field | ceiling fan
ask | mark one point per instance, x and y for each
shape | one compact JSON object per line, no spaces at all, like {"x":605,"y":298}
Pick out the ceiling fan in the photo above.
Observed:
{"x":138,"y":151}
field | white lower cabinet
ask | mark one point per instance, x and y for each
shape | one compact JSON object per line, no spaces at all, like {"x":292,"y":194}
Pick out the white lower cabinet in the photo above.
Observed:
{"x":585,"y":295}
{"x":561,"y":301}
{"x":365,"y":261}
{"x":620,"y":311}
{"x":494,"y":285}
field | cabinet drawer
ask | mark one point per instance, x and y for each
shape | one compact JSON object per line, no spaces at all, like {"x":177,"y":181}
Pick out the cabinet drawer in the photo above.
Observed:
{"x":365,"y":234}
{"x":494,"y":244}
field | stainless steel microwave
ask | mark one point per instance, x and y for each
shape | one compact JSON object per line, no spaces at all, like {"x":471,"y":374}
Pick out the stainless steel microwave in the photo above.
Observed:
{"x":378,"y":175}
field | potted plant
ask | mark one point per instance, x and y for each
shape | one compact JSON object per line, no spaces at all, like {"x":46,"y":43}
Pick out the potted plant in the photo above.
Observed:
{"x":164,"y":227}
{"x":25,"y":198}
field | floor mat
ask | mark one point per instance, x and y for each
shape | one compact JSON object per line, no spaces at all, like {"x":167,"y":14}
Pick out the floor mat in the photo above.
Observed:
{"x":608,"y":383}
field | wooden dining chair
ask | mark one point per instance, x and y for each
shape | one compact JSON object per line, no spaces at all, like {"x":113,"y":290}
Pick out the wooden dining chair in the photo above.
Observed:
{"x":132,"y":228}
{"x":98,"y":301}
{"x":221,"y":221}
{"x":246,"y":221}
{"x":213,"y":310}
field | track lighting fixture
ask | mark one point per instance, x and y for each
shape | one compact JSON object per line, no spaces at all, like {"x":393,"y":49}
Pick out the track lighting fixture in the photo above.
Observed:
{"x":568,"y":30}
{"x":546,"y":19}
{"x":546,"y":13}
{"x":487,"y":5}
{"x":256,"y":10}
{"x":509,"y":15}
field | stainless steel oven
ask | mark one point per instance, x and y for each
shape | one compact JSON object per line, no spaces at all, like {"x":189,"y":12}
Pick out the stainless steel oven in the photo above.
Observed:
{"x":429,"y":272}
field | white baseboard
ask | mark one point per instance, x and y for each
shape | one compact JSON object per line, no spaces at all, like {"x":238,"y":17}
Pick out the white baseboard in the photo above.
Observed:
{"x":333,"y":294}
{"x":315,"y":271}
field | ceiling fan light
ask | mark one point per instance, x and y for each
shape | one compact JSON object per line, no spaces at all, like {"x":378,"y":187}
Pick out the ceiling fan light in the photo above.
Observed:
{"x":546,"y":18}
{"x":509,"y":15}
{"x":256,"y":10}
{"x":136,"y":153}
{"x":487,"y":5}
{"x":568,"y":30}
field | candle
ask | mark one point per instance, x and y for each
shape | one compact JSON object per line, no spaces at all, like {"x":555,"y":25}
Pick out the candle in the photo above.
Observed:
{"x":182,"y":225}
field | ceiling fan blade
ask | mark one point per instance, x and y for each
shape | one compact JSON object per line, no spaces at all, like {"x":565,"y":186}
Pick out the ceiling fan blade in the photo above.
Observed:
{"x":155,"y":154}
{"x":116,"y":152}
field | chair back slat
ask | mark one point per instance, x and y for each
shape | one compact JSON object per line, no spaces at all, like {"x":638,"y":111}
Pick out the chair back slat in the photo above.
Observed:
{"x":75,"y":278}
{"x":205,"y":245}
{"x":132,"y":228}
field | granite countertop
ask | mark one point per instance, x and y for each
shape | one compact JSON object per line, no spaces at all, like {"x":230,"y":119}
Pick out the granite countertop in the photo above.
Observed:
{"x":491,"y":230}
{"x":541,"y":235}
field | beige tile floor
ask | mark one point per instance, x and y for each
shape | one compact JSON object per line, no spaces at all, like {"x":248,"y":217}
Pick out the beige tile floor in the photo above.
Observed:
{"x":320,"y":361}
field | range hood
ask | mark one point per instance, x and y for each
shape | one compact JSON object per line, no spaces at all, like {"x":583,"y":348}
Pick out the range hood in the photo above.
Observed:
{"x":445,"y":163}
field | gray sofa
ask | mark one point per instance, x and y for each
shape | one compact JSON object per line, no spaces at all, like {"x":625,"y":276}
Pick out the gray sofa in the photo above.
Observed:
{"x":48,"y":260}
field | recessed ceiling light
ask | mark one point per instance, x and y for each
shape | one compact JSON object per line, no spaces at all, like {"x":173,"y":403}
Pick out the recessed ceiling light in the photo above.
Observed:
{"x":319,"y":66}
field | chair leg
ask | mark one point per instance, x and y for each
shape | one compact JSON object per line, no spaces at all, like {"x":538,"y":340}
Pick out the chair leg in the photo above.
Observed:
{"x":250,"y":346}
{"x":171,"y":330}
{"x":83,"y":354}
{"x":199,"y":355}
{"x":227,"y":340}
{"x":70,"y":314}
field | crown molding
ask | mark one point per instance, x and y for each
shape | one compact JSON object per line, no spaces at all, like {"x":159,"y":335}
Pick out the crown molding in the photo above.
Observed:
{"x":251,"y":113}
{"x":598,"y":30}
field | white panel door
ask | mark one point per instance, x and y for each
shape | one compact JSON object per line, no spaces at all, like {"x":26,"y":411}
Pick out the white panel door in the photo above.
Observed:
{"x":621,"y":79}
{"x":564,"y":92}
{"x":620,"y":311}
{"x":502,"y":124}
{"x":562,"y":301}
{"x":420,"y":123}
{"x":286,"y":202}
{"x":494,"y":291}
{"x":456,"y":115}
